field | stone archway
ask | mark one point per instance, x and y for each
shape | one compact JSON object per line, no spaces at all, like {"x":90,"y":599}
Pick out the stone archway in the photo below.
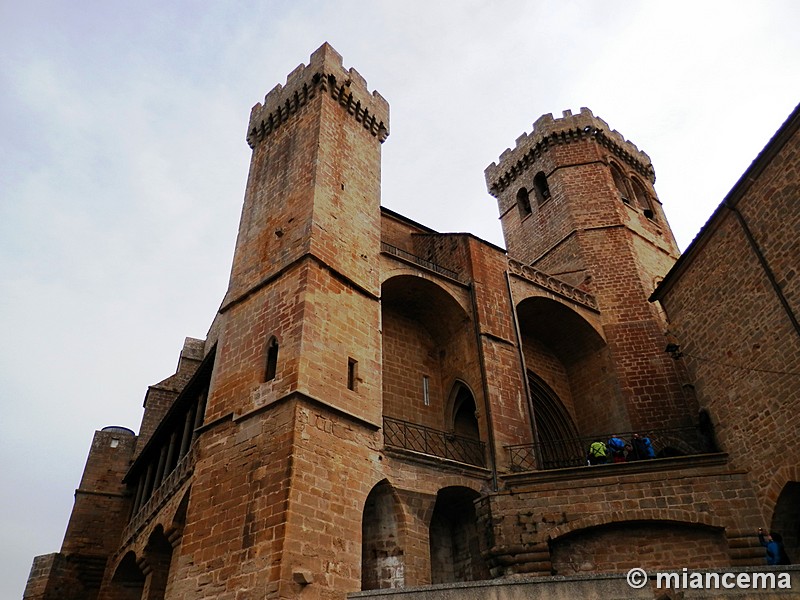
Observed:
{"x":128,"y":580}
{"x":382,"y":547}
{"x":455,"y":545}
{"x":786,"y":519}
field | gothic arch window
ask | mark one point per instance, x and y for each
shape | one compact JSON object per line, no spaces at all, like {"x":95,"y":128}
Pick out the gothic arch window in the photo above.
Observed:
{"x":465,"y":420}
{"x":643,"y":198}
{"x":523,"y":203}
{"x":621,"y":183}
{"x":271,"y":366}
{"x":541,"y":187}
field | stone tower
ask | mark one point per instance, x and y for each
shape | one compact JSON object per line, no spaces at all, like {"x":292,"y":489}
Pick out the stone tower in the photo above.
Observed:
{"x":295,"y":400}
{"x":577,"y":202}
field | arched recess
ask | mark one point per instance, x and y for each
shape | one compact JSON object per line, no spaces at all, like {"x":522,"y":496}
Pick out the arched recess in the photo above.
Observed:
{"x":559,"y":445}
{"x":541,"y":187}
{"x":128,"y":580}
{"x":382,"y":540}
{"x":786,"y":519}
{"x":428,"y":341}
{"x":158,"y":555}
{"x":179,"y":518}
{"x":571,"y":362}
{"x":464,"y":412}
{"x":455,"y":545}
{"x":642,"y":198}
{"x":648,"y":544}
{"x":621,"y":183}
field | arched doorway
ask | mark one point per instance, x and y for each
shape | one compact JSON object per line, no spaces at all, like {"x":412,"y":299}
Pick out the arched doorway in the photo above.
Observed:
{"x":454,"y":540}
{"x":786,"y":519}
{"x":382,"y":554}
{"x":128,"y":580}
{"x":158,"y":554}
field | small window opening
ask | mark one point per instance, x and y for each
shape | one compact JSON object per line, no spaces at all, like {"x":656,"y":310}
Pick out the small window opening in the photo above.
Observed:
{"x":643,"y":198}
{"x":272,"y":360}
{"x":523,"y":203}
{"x":352,"y":374}
{"x":426,"y":394}
{"x":542,"y":188}
{"x":114,"y":442}
{"x":621,"y":183}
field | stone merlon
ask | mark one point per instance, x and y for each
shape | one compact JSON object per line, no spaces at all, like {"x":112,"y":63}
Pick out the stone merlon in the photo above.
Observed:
{"x":548,"y":131}
{"x":324,"y":74}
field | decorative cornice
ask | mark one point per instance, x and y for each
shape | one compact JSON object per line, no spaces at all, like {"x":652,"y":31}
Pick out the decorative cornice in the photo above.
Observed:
{"x":548,"y":132}
{"x":551,"y":284}
{"x":324,"y":74}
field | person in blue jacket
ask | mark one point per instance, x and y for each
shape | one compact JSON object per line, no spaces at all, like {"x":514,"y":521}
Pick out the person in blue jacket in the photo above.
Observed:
{"x":773,"y":542}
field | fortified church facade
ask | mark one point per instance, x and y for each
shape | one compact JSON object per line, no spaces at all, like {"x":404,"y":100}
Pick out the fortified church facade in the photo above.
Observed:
{"x":379,"y":405}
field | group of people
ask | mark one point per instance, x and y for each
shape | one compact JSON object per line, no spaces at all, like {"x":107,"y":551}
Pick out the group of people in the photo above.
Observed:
{"x":617,"y":450}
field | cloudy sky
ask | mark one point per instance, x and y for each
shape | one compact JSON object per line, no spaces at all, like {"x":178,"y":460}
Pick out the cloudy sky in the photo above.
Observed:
{"x":123,"y":165}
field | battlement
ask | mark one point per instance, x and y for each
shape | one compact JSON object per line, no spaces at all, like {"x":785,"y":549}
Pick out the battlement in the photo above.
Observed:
{"x":548,"y":131}
{"x":324,"y":74}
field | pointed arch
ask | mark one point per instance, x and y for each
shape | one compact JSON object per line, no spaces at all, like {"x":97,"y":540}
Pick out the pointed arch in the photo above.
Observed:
{"x":642,"y":198}
{"x":464,"y":412}
{"x":558,"y":434}
{"x":620,"y":182}
{"x":382,"y":540}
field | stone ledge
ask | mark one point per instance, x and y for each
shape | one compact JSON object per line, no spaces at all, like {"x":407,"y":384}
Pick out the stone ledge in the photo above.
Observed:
{"x":618,"y":470}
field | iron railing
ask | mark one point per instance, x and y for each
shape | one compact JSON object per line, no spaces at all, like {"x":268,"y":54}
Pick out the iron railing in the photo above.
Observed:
{"x":573,"y":452}
{"x":426,"y":440}
{"x":418,"y":260}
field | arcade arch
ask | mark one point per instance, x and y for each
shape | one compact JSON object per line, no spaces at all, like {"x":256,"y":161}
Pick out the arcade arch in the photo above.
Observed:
{"x":572,"y":379}
{"x":428,"y":342}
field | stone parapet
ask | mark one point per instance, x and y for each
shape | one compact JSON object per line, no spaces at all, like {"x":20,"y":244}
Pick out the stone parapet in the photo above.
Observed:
{"x":324,"y":74}
{"x":547,"y":132}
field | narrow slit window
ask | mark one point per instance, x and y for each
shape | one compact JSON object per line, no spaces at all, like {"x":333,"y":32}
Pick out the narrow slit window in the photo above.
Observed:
{"x":352,"y":374}
{"x":272,"y":360}
{"x":426,"y":394}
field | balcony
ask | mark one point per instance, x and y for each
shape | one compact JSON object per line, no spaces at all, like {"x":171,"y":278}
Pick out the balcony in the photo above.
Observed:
{"x":573,"y":452}
{"x":420,"y":262}
{"x":432,"y":442}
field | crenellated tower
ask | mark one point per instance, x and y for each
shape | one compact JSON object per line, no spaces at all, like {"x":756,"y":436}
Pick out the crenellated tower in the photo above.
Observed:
{"x":577,"y":202}
{"x":307,"y":249}
{"x":294,"y":406}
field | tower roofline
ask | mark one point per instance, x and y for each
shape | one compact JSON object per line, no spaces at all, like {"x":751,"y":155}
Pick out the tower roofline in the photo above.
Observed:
{"x":548,"y":131}
{"x":324,"y":74}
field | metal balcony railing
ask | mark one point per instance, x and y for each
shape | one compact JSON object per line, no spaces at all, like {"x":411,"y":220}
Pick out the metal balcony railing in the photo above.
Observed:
{"x":418,"y":438}
{"x":573,"y":452}
{"x":418,"y":260}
